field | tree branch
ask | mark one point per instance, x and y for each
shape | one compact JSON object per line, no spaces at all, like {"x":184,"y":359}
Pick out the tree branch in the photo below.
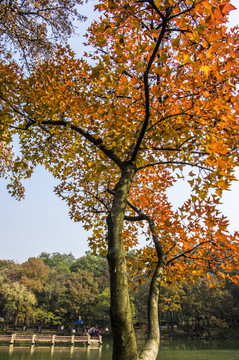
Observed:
{"x":152,"y":3}
{"x":134,"y":218}
{"x":146,"y":89}
{"x":95,"y":141}
{"x":169,"y":117}
{"x":187,"y":252}
{"x":174,"y":162}
{"x":183,"y":12}
{"x":92,"y":139}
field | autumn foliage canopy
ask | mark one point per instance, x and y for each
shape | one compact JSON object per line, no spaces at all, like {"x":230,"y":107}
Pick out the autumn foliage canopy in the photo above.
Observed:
{"x":157,"y":93}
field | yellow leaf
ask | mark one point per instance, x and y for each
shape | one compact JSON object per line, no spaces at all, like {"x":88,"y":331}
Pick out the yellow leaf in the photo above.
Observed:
{"x":223,"y":185}
{"x":206,"y":69}
{"x":186,"y":59}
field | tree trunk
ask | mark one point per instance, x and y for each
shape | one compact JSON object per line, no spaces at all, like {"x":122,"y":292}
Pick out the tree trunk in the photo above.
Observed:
{"x":151,"y":348}
{"x":16,"y":319}
{"x":124,"y":341}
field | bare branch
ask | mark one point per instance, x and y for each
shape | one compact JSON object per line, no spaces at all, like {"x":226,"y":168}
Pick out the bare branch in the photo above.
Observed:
{"x":172,"y":163}
{"x":188,"y":251}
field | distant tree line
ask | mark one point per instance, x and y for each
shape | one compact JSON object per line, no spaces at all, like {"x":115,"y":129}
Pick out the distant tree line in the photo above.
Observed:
{"x":197,"y":308}
{"x":55,"y":290}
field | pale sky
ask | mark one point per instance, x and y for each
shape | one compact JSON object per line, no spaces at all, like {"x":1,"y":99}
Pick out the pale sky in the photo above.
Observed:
{"x":40,"y":222}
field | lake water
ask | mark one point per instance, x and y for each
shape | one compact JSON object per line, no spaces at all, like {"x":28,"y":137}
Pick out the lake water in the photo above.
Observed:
{"x":169,"y":350}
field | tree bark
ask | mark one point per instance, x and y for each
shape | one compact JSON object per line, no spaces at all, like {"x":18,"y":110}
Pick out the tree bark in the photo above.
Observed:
{"x":124,"y":341}
{"x":150,"y":350}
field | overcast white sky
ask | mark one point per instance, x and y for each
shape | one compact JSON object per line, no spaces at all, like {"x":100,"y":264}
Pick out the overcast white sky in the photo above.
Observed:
{"x":41,"y":222}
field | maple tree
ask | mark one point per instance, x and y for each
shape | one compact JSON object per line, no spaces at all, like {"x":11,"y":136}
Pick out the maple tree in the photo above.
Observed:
{"x":155,"y":101}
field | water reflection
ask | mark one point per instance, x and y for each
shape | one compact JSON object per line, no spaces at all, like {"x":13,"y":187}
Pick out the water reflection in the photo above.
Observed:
{"x":57,"y":353}
{"x":11,"y":347}
{"x":196,"y":349}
